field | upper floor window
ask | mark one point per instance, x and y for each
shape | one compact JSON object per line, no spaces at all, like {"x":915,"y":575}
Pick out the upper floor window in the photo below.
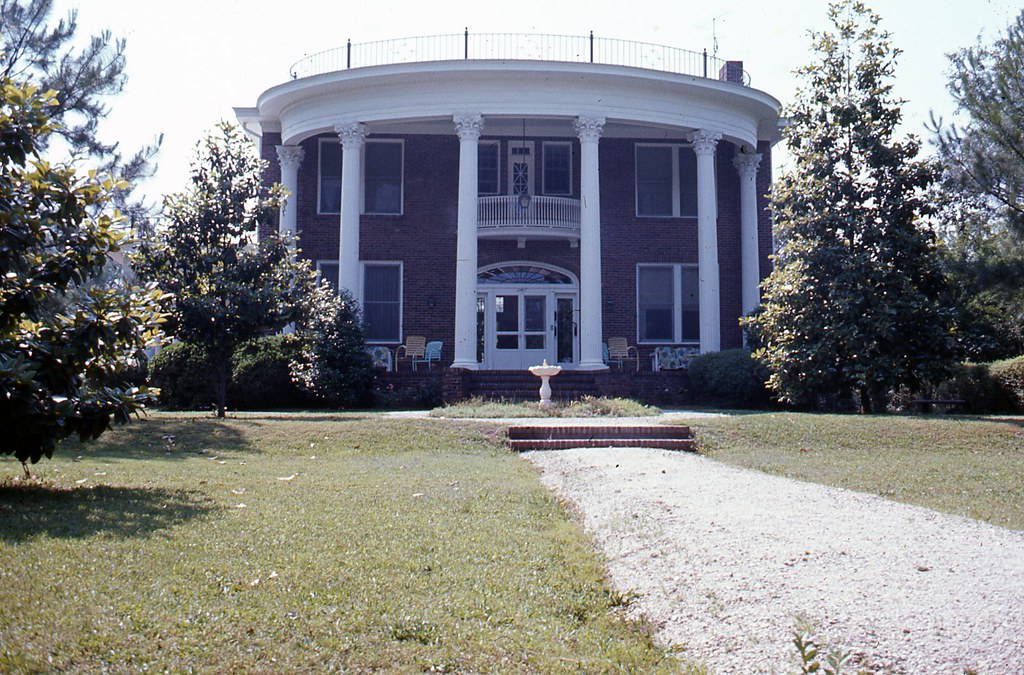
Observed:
{"x":329,"y":188}
{"x":557,"y":168}
{"x":667,"y":306}
{"x":382,"y":176}
{"x":666,"y":181}
{"x":487,"y":172}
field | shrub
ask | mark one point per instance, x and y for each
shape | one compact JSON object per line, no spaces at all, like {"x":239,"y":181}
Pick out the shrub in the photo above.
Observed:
{"x":1010,"y":375}
{"x":730,"y":378}
{"x":335,"y":368}
{"x":182,"y":373}
{"x":261,"y":377}
{"x":978,"y":385}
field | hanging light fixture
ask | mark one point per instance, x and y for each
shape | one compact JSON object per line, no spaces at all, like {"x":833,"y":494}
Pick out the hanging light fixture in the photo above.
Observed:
{"x":524,"y":196}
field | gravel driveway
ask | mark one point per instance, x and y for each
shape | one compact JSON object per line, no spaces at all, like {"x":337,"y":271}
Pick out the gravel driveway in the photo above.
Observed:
{"x":723,"y":559}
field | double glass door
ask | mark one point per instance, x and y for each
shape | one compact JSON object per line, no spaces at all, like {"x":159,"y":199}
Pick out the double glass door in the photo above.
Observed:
{"x":522,"y":328}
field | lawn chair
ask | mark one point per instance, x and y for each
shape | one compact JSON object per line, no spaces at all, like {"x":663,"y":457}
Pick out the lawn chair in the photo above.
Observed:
{"x":431,"y":353}
{"x":620,"y":350}
{"x":414,"y":348}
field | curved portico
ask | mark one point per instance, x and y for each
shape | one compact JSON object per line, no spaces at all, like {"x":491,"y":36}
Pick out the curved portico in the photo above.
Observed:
{"x":556,"y":122}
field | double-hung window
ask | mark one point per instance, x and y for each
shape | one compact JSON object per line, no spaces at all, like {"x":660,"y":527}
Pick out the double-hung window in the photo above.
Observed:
{"x":382,"y":301}
{"x":382,"y":177}
{"x":666,"y":181}
{"x":487,"y":171}
{"x":557,"y":169}
{"x":667,"y":305}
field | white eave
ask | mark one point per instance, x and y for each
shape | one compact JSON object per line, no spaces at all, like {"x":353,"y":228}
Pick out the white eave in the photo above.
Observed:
{"x":425,"y":95}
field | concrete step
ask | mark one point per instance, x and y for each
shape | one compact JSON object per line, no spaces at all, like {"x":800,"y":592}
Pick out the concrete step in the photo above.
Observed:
{"x":542,"y":437}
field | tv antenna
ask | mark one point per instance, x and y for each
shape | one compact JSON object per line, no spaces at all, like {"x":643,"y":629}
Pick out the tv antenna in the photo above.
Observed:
{"x":714,"y":37}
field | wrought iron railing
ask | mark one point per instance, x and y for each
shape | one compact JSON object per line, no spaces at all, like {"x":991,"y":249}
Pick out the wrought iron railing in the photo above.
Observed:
{"x":504,"y":212}
{"x":511,"y":46}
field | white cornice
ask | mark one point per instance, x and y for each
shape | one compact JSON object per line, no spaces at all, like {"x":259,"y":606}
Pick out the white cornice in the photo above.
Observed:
{"x":429,"y":94}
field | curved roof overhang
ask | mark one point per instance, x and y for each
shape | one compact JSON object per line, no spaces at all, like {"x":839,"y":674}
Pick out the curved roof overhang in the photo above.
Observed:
{"x":423,"y":97}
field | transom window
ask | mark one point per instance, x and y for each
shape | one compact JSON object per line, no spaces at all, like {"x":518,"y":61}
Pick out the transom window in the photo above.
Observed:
{"x":382,"y":176}
{"x":667,"y":306}
{"x":523,"y":274}
{"x":666,"y":181}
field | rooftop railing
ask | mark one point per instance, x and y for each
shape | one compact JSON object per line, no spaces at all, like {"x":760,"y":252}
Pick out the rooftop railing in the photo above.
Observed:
{"x":514,"y":46}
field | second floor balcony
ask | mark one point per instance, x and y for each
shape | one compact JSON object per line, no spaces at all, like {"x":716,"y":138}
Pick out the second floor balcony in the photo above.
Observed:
{"x":521,"y":218}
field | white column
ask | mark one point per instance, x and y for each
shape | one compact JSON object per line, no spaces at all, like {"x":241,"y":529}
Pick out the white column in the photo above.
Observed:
{"x":468,"y":127}
{"x":352,"y":137}
{"x":746,"y":164}
{"x":589,"y":131}
{"x":704,"y":143}
{"x":290,"y":157}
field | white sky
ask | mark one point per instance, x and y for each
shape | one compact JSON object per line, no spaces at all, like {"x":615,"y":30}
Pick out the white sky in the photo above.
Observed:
{"x":191,"y":61}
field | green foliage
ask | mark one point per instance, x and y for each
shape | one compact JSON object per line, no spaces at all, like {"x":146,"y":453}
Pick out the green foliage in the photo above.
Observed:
{"x":181,"y":371}
{"x":335,"y":367}
{"x":65,"y":342}
{"x":984,"y":155}
{"x":261,"y":374}
{"x":227,"y":288}
{"x":853,"y":305}
{"x":977,"y":385}
{"x":1010,"y":375}
{"x":983,"y":195}
{"x":82,"y":73}
{"x":810,"y":660}
{"x":731,"y":378}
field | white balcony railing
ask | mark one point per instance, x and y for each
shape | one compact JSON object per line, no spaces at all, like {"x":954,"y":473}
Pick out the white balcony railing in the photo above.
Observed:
{"x":543,"y":216}
{"x":515,"y":46}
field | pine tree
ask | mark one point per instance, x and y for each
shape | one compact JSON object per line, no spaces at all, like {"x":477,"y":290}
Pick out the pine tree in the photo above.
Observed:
{"x":852,"y":307}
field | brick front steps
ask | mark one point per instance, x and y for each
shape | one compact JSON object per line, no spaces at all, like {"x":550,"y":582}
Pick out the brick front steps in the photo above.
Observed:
{"x":668,"y":437}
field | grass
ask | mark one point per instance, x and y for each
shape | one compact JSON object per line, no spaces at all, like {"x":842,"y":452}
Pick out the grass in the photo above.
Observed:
{"x":588,"y":406}
{"x":301,"y":542}
{"x":967,"y":466}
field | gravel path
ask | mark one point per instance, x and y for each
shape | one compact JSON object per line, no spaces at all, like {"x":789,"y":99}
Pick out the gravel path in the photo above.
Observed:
{"x":723,"y":559}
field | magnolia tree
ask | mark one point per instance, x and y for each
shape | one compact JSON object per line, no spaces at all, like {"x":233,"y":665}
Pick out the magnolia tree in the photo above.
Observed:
{"x":226,"y":285}
{"x":65,"y":341}
{"x":852,"y":307}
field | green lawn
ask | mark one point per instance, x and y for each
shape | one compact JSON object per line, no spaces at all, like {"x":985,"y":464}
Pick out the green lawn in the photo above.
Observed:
{"x":963,"y":465}
{"x":301,"y":542}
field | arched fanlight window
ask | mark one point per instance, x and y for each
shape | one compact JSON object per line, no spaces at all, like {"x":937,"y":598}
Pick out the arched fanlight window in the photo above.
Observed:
{"x":523,"y":274}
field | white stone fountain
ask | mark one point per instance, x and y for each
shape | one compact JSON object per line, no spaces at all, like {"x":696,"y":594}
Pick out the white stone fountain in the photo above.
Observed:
{"x":545,"y":373}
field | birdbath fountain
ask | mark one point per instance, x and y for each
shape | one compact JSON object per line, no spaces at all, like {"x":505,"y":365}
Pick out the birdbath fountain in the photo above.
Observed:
{"x":545,"y":373}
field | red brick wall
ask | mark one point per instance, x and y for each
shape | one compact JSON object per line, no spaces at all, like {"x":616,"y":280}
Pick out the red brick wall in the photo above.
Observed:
{"x":424,"y":236}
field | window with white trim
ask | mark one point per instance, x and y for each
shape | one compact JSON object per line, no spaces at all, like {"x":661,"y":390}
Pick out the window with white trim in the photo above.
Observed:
{"x":328,"y":270}
{"x":329,"y":182}
{"x":667,"y":303}
{"x":557,"y":168}
{"x":382,"y":301}
{"x":382,"y":176}
{"x":666,"y":181}
{"x":487,"y":172}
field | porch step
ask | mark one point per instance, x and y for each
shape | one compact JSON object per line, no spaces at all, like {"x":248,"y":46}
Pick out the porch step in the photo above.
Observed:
{"x":665,"y":436}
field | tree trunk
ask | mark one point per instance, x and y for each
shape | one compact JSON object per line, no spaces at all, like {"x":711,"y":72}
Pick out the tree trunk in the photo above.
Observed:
{"x":866,"y":407}
{"x":220,"y":383}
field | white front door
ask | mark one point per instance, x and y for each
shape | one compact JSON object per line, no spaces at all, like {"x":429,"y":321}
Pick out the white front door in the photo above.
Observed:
{"x":521,"y":330}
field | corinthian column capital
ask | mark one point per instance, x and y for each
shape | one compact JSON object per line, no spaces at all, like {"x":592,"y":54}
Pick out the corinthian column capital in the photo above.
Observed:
{"x":290,"y":156}
{"x":704,"y":141}
{"x":589,"y":128}
{"x":351,"y":135}
{"x":469,"y":126}
{"x":747,"y":163}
